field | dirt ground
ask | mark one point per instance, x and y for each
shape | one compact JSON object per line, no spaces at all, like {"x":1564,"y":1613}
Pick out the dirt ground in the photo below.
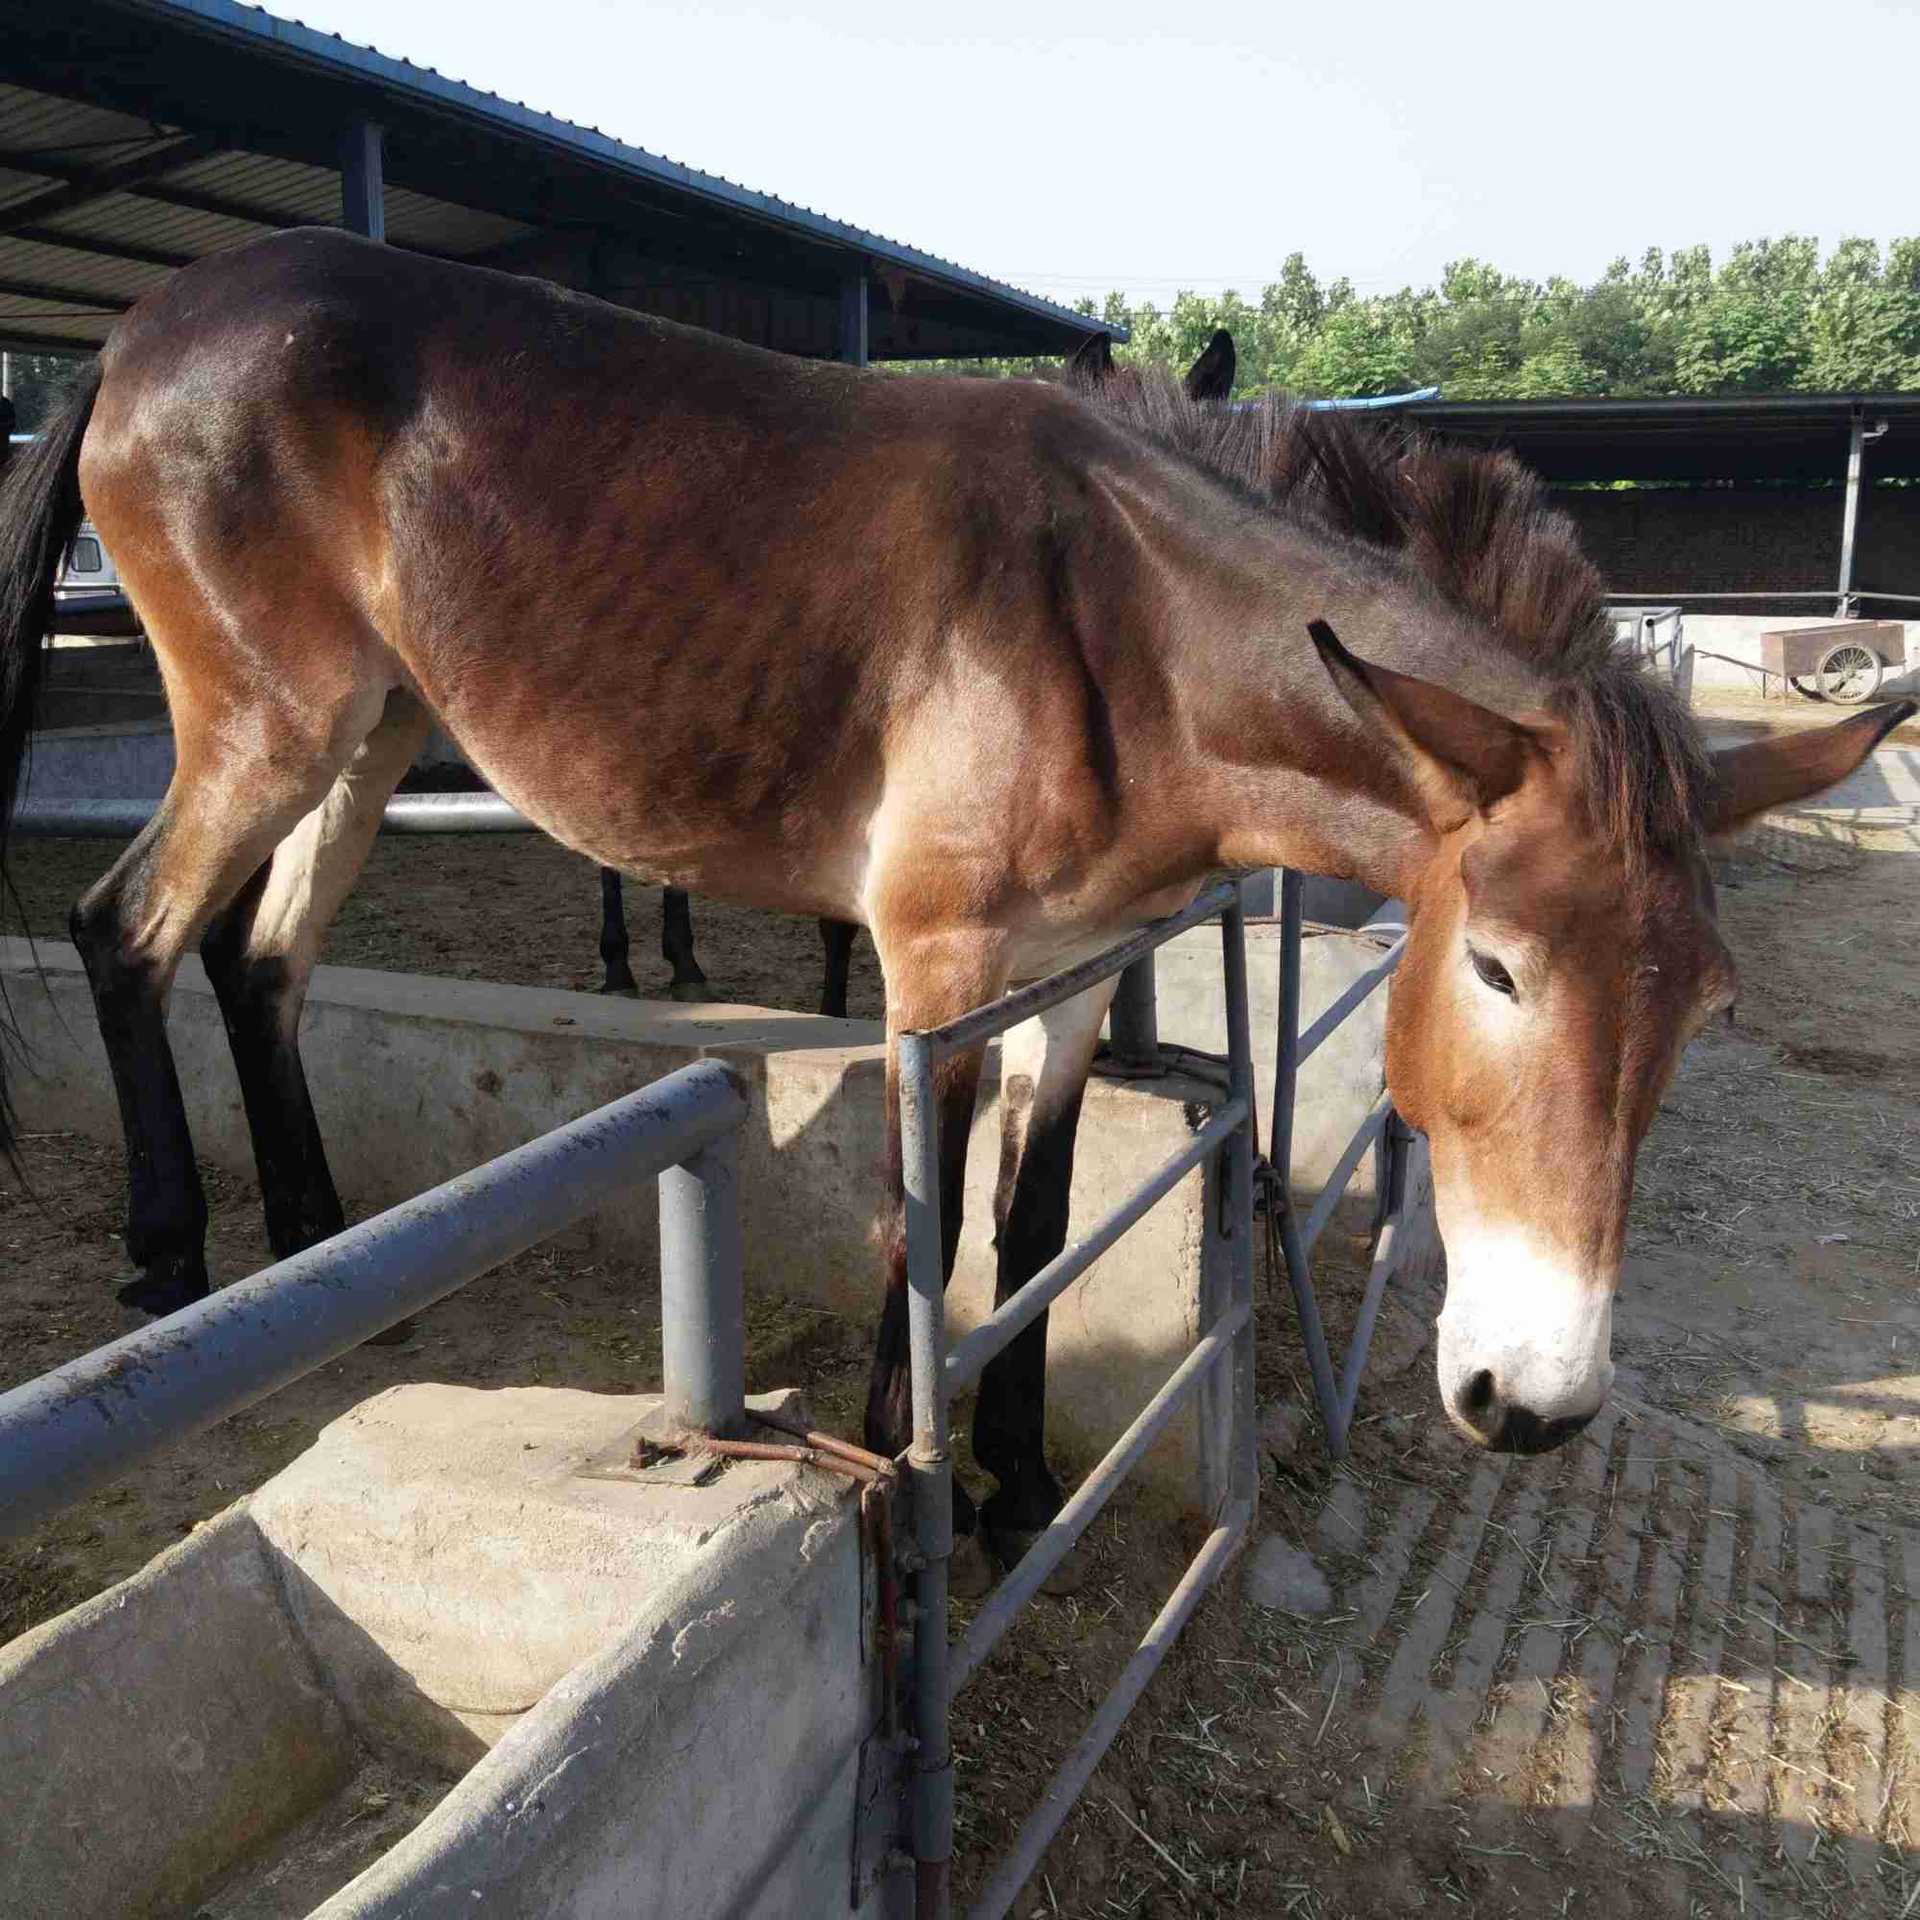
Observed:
{"x":1766,"y":1335}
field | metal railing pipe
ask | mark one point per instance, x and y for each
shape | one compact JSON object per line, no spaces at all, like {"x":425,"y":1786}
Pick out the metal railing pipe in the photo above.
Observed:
{"x":1056,"y":1542}
{"x":998,"y":1015}
{"x":930,"y":1473}
{"x":1349,"y":997}
{"x":703,"y":1333}
{"x":405,"y":813}
{"x":1343,"y":1169}
{"x":1134,"y":1021}
{"x":1066,"y":1787}
{"x":70,"y":1430}
{"x":968,"y":1357}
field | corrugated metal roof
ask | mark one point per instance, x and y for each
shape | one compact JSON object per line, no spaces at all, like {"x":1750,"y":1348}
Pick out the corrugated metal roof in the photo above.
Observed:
{"x":212,"y":68}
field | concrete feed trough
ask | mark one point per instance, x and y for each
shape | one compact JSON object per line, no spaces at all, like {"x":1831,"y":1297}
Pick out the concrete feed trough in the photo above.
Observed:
{"x":436,"y":1594}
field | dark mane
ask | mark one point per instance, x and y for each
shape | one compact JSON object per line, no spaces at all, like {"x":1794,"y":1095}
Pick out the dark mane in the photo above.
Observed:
{"x":1479,"y":529}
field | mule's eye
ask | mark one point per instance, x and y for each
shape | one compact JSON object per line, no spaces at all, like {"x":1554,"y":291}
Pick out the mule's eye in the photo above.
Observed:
{"x":1491,"y":972}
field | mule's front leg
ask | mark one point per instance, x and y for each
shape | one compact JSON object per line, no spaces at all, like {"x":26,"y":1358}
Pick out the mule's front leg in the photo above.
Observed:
{"x":1043,"y":1079}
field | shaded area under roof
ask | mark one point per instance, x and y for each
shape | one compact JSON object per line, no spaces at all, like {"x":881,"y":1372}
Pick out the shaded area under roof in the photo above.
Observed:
{"x":1799,"y":438}
{"x":139,"y":135}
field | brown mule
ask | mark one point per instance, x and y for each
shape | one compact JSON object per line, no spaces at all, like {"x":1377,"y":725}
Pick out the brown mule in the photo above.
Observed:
{"x":994,"y":668}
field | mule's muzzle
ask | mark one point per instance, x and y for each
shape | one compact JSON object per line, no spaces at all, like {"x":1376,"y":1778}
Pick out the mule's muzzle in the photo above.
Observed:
{"x":1505,"y":1426}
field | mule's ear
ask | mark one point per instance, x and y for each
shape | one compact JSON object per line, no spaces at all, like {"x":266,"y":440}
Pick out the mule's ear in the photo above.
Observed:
{"x":1211,"y":376}
{"x":1462,"y":756}
{"x":1092,"y":360}
{"x":1786,"y":767}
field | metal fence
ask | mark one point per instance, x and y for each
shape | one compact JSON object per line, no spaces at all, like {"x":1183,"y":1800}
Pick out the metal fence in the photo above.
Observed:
{"x":73,"y":1429}
{"x":405,"y":813}
{"x":939,"y":1372}
{"x":1382,"y":1131}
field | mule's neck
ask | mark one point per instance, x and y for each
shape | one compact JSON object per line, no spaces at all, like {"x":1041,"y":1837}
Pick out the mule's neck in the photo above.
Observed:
{"x":1293,"y":776}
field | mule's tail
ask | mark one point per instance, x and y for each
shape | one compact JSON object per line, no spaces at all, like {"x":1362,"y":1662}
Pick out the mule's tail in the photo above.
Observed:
{"x":39,"y":515}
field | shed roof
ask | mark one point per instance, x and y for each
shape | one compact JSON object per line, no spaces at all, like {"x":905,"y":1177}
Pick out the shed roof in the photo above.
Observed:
{"x":139,"y":135}
{"x":1798,"y":437}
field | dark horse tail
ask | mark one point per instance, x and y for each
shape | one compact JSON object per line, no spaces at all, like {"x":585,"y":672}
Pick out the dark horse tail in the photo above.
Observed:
{"x":39,"y":515}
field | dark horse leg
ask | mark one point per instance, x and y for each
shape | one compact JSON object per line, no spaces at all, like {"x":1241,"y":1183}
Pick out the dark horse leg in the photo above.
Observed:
{"x":1043,"y":1079}
{"x":836,"y":939}
{"x":614,"y":948}
{"x":676,"y":947}
{"x":235,"y":795}
{"x":259,"y":954}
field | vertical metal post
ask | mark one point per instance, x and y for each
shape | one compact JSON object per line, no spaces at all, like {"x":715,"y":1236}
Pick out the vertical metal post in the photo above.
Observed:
{"x":930,"y":1472}
{"x":1134,"y":1021}
{"x":6,"y":377}
{"x":853,"y":317}
{"x":1286,"y":1077}
{"x":1243,"y":1474}
{"x":363,"y":196}
{"x":1850,"y":518}
{"x":702,"y":1306}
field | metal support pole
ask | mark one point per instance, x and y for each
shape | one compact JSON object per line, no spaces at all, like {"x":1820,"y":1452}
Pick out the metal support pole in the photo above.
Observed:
{"x":1286,"y":1075}
{"x":1243,"y":1466}
{"x":702,"y":1308}
{"x":853,"y":317}
{"x":930,"y":1473}
{"x":363,"y":197}
{"x":1134,"y":1021}
{"x":1858,"y":436}
{"x":1850,"y":518}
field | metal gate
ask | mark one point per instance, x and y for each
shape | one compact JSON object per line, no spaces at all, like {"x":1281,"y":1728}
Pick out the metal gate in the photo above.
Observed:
{"x":1223,"y":1354}
{"x":939,"y":1372}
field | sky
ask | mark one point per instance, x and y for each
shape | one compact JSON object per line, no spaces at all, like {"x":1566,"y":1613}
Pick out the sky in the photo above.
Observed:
{"x":1153,"y":148}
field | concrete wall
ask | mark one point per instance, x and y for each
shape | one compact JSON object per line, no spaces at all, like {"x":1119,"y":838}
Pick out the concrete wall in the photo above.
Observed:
{"x":416,"y":1079}
{"x":639,"y":1700}
{"x":1668,"y":540}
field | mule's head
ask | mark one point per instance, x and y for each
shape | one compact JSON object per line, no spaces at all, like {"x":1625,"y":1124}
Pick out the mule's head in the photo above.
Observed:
{"x":1555,"y":967}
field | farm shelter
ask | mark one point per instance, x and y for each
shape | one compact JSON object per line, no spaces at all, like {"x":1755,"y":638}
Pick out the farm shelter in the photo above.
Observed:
{"x":139,"y":135}
{"x":1750,"y":514}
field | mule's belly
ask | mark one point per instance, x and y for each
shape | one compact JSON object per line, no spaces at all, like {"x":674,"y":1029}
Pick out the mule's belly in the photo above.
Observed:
{"x":610,"y":799}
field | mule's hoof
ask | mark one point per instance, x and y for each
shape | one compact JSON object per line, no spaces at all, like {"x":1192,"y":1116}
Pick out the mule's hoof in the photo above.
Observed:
{"x":162,"y":1290}
{"x":396,"y":1335}
{"x":630,"y":991}
{"x":1011,"y":1545}
{"x":969,"y":1571}
{"x":691,"y":993}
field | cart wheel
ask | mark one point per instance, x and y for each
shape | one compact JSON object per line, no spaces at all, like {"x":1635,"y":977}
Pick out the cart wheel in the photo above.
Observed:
{"x":1848,"y":673}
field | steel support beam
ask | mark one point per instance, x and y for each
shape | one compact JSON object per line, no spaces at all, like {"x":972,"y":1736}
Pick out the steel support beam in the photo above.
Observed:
{"x":99,"y":249}
{"x":853,"y":316}
{"x":1858,"y":434}
{"x":363,"y":193}
{"x":61,"y":296}
{"x":97,"y":183}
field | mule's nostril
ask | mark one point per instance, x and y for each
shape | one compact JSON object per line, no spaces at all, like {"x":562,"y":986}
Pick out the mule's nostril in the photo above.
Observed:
{"x":1478,"y":1394}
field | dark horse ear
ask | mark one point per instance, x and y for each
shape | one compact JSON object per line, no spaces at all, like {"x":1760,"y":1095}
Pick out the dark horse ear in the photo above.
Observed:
{"x":1093,"y":359}
{"x":1211,"y":376}
{"x":1776,"y":772}
{"x":1462,"y":756}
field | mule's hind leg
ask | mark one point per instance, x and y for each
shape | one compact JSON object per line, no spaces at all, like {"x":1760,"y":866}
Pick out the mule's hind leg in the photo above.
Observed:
{"x":676,"y":947}
{"x":237,"y":790}
{"x":260,"y":954}
{"x":1043,"y":1079}
{"x":615,"y":951}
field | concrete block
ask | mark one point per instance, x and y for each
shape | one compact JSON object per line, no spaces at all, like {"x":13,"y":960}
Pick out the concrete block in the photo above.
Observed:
{"x":154,"y":1736}
{"x":662,"y":1691}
